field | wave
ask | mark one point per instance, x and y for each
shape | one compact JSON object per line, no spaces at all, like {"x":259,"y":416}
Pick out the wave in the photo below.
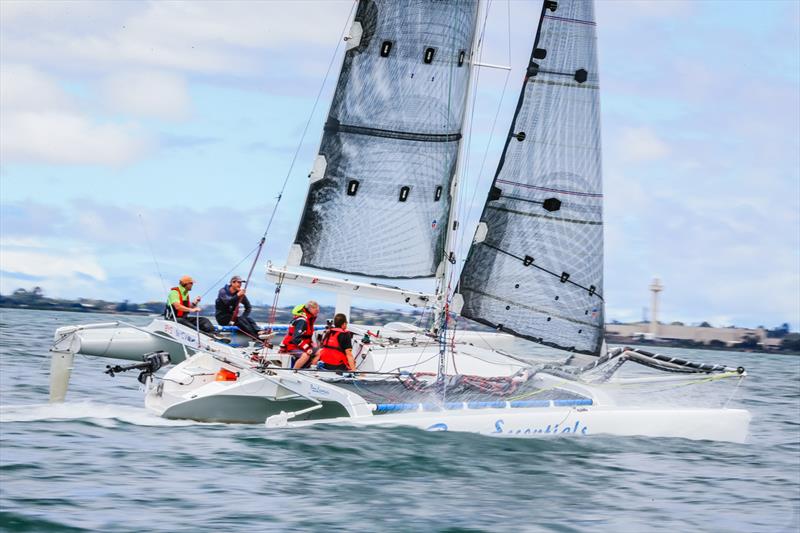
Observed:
{"x":107,"y":415}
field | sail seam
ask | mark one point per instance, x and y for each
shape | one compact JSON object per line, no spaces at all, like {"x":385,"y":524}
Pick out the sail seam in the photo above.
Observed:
{"x":393,"y":134}
{"x":365,"y":274}
{"x":549,"y":189}
{"x":576,"y":21}
{"x":574,"y":85}
{"x":534,"y":215}
{"x":585,"y":147}
{"x":542,"y":269}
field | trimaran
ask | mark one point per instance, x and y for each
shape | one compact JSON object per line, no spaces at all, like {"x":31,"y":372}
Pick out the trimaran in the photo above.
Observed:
{"x":380,"y":204}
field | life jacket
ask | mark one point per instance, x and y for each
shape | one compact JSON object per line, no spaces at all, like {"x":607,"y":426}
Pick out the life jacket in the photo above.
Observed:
{"x":185,"y":303}
{"x":308,"y":334}
{"x":331,"y":352}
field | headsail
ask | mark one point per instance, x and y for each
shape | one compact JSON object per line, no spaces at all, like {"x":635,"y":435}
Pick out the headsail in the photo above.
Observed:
{"x":379,"y":197}
{"x":535,"y":268}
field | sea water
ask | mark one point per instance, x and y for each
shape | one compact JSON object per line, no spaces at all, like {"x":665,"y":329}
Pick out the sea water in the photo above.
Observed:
{"x":101,"y":462}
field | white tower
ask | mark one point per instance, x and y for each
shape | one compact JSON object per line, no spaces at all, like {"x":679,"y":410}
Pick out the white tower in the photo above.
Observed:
{"x":655,"y":288}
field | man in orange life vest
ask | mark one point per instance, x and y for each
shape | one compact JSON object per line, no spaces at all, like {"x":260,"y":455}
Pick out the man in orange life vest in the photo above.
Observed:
{"x":336,"y":352}
{"x":299,"y":339}
{"x":180,"y":306}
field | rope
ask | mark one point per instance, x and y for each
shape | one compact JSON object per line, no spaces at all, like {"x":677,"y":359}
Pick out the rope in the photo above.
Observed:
{"x":228,"y":273}
{"x":152,"y":253}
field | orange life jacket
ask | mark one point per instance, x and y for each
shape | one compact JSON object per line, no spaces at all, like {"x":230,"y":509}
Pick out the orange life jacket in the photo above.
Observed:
{"x":185,"y":303}
{"x":308,"y":334}
{"x":331,"y":352}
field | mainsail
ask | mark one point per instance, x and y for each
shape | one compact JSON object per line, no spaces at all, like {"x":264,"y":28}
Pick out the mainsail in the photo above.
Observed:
{"x":535,"y":268}
{"x":379,"y":198}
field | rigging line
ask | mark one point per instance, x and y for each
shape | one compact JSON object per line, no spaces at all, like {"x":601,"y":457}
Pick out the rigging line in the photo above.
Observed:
{"x":168,"y":310}
{"x":152,"y":253}
{"x":308,"y":122}
{"x":459,"y":238}
{"x":735,"y":390}
{"x":221,"y":278}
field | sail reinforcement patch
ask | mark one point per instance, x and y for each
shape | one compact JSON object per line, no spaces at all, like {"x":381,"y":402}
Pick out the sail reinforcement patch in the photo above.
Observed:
{"x":428,"y":57}
{"x":552,"y":204}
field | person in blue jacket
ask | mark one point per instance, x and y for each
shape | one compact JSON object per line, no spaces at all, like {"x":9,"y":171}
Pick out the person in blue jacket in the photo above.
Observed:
{"x":229,"y":298}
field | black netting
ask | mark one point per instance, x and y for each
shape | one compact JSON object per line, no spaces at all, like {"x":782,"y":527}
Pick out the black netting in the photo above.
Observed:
{"x":394,"y":127}
{"x":538,"y":272}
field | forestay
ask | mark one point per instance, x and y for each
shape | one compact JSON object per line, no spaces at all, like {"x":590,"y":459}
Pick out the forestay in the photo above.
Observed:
{"x":379,"y":197}
{"x":535,"y":268}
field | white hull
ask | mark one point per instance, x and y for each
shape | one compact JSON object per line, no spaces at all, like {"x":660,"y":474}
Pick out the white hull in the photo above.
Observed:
{"x":729,"y":425}
{"x":290,"y":399}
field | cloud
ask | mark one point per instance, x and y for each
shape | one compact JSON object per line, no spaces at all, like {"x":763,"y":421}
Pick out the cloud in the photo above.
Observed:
{"x":43,"y":264}
{"x":201,"y":37}
{"x":23,"y":88}
{"x":125,"y":61}
{"x":641,"y":144}
{"x":42,"y":123}
{"x":67,"y":138}
{"x":146,"y":94}
{"x":120,"y":252}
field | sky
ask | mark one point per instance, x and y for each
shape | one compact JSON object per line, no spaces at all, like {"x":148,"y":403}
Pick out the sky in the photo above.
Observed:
{"x":141,"y":141}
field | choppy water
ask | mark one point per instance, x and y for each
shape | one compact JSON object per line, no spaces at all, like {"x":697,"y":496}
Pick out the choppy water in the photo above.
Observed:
{"x":100,"y":462}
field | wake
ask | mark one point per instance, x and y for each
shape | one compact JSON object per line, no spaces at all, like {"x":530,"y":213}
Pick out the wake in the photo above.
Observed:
{"x":106,"y":415}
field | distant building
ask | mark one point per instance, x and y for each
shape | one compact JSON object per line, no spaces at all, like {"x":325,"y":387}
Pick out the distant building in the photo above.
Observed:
{"x":671,"y":333}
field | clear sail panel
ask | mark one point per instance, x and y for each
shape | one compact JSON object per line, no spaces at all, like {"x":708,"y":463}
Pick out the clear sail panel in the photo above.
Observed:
{"x":536,"y":267}
{"x":379,"y":197}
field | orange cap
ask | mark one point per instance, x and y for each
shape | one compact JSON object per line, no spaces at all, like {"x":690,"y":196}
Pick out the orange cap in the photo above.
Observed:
{"x":186,"y":279}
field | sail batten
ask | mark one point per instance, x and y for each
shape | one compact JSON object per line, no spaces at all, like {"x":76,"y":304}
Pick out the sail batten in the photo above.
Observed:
{"x":535,"y":269}
{"x":380,"y":203}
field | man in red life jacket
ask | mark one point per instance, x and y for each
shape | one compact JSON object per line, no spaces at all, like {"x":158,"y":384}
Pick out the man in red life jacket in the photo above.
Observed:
{"x":336,"y":352}
{"x":180,"y":306}
{"x":299,"y":339}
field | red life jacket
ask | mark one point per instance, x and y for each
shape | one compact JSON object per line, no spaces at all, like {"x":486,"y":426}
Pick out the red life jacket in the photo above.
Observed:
{"x":185,"y":303}
{"x":331,"y":352}
{"x":308,"y":334}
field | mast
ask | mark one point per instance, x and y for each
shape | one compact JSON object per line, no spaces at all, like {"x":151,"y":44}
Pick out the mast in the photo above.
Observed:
{"x":448,"y":258}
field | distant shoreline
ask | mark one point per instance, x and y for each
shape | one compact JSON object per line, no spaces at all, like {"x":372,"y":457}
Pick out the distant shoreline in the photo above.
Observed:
{"x":358,"y":316}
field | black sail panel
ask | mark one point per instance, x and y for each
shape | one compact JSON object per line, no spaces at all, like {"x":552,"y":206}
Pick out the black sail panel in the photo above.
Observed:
{"x":535,"y":268}
{"x":379,"y":197}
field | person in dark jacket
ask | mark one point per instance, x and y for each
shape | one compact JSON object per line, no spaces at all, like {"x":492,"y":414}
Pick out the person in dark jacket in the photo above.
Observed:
{"x":228,"y":300}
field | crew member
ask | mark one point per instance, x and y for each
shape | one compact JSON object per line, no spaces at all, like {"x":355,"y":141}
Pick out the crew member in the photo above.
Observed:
{"x":228,"y":300}
{"x":336,"y":352}
{"x":299,"y":339}
{"x":179,"y":306}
